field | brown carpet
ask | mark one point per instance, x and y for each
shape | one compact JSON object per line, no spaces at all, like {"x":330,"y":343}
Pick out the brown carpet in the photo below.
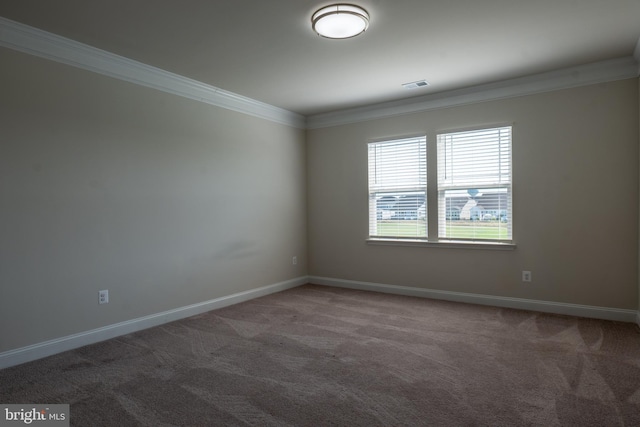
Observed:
{"x":322,"y":356}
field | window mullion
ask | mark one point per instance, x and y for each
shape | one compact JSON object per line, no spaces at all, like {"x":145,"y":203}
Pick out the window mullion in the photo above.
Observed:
{"x":432,"y":193}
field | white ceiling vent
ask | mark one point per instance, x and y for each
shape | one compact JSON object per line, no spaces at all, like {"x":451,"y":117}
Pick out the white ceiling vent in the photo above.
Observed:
{"x":415,"y":85}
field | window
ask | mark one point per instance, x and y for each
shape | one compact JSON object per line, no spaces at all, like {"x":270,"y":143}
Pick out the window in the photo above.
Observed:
{"x":474,"y":185}
{"x":473,"y":189}
{"x":397,"y":188}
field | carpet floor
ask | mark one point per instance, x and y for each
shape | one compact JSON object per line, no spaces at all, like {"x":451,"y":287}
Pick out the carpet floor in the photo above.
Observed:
{"x":322,"y":356}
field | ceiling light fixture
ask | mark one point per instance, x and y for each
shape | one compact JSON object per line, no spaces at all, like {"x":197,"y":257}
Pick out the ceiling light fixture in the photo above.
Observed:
{"x":340,"y":21}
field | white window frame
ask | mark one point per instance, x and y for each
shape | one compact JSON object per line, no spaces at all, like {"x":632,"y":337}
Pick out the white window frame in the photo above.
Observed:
{"x":434,"y":209}
{"x":484,"y":165}
{"x":397,"y":169}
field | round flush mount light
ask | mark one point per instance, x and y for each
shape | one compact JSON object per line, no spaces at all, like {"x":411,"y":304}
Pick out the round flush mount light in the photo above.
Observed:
{"x":340,"y":21}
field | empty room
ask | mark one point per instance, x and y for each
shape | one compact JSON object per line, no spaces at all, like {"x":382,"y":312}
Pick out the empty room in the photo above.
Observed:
{"x":307,"y":213}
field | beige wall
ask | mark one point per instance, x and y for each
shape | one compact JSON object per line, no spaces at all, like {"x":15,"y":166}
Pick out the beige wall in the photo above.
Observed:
{"x":168,"y":202}
{"x":575,"y":161}
{"x":161,"y":200}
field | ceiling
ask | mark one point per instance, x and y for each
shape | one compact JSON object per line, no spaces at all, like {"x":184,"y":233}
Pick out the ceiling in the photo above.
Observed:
{"x":266,"y":50}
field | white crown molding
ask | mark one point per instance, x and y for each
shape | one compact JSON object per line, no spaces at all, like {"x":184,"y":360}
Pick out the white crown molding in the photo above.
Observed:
{"x":33,"y":41}
{"x":605,"y":313}
{"x":59,"y":345}
{"x":599,"y":72}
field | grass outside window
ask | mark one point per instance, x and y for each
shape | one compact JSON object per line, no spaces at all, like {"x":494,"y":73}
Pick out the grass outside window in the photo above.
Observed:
{"x":471,"y":230}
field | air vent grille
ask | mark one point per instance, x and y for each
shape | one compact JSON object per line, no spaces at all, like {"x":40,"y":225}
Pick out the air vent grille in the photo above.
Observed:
{"x":415,"y":85}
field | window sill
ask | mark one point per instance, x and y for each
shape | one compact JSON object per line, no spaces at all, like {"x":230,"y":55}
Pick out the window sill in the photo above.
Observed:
{"x":446,"y":244}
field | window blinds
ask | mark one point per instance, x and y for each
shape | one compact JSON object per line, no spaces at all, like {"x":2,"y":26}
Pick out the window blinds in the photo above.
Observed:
{"x":474,"y":184}
{"x":397,"y":188}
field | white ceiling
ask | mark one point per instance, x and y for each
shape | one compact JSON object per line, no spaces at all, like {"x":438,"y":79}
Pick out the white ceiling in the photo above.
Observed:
{"x":266,"y":50}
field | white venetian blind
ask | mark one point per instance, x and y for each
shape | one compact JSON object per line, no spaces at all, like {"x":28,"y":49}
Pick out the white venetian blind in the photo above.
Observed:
{"x":397,"y":188}
{"x":474,"y":184}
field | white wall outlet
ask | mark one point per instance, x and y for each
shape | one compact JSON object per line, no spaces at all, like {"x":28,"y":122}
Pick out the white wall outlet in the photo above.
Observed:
{"x":103,"y":297}
{"x":526,"y":276}
{"x":294,"y":260}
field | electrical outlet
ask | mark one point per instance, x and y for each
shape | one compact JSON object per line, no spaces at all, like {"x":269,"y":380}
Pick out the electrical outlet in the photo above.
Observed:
{"x":294,"y":260}
{"x":103,"y":297}
{"x":526,"y":276}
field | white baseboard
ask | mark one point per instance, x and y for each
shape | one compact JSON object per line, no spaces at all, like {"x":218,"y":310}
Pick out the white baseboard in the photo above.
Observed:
{"x":496,"y":301}
{"x":58,"y":345}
